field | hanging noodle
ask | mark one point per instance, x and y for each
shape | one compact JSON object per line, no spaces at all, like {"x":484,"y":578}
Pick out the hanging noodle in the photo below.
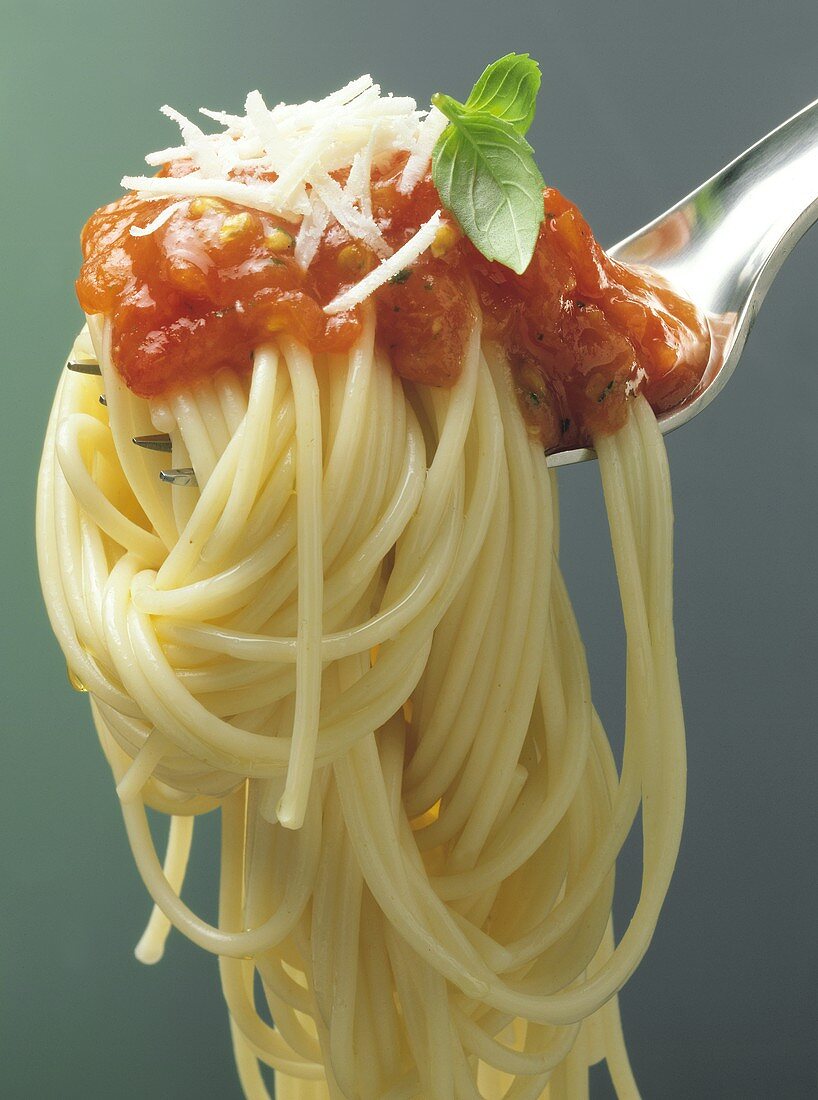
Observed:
{"x":355,"y":641}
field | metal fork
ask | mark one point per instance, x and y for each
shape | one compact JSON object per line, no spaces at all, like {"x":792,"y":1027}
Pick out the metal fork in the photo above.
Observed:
{"x":183,"y":475}
{"x":721,"y":246}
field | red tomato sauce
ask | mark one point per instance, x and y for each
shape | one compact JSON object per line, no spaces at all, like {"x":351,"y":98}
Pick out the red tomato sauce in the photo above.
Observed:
{"x":582,"y":332}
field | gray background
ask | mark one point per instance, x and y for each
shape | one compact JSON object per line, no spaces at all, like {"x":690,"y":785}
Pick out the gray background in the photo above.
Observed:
{"x":640,"y":101}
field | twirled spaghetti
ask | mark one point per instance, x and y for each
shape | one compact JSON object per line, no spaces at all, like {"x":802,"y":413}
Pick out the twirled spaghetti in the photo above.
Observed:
{"x":433,"y":922}
{"x":354,"y":641}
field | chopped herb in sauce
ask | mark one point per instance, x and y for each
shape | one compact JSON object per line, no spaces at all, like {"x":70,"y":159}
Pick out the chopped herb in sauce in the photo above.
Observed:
{"x":606,"y":391}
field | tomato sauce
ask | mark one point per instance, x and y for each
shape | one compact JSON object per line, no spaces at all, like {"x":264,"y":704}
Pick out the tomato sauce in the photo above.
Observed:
{"x":582,"y":332}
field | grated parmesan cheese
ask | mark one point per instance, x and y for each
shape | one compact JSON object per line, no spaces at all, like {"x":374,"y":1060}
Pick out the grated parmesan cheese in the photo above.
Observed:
{"x":310,"y":233}
{"x":390,"y":267}
{"x":160,"y":219}
{"x":416,"y":167}
{"x":301,"y":145}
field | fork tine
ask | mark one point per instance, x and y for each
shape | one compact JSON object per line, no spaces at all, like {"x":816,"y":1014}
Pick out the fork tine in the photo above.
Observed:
{"x":161,"y":442}
{"x":183,"y":476}
{"x":154,"y":442}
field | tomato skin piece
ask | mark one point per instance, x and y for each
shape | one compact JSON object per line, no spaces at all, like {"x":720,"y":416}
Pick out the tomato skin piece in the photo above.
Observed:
{"x":583,"y":333}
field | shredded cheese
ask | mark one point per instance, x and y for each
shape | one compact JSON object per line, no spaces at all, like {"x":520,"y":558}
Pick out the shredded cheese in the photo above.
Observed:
{"x":416,"y":167}
{"x":285,"y":161}
{"x":310,"y":233}
{"x":387,"y":270}
{"x":160,"y":219}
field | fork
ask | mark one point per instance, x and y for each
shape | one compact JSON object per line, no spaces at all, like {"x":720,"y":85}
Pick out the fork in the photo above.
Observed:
{"x":183,"y":475}
{"x":721,"y":246}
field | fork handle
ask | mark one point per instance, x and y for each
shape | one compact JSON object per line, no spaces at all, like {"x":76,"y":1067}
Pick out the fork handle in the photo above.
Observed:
{"x":729,"y":237}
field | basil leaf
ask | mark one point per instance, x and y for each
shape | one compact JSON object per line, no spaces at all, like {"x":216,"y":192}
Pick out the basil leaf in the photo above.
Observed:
{"x":485,"y":173}
{"x":508,"y":89}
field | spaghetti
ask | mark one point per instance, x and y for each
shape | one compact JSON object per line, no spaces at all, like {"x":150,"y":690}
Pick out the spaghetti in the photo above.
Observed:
{"x":355,"y":642}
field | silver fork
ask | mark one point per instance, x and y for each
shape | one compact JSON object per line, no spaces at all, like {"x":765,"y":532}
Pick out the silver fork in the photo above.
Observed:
{"x":183,"y":475}
{"x":721,"y":246}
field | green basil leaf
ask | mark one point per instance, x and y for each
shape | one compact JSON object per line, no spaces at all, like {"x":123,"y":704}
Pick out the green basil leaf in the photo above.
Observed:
{"x":508,"y":89}
{"x":485,"y":173}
